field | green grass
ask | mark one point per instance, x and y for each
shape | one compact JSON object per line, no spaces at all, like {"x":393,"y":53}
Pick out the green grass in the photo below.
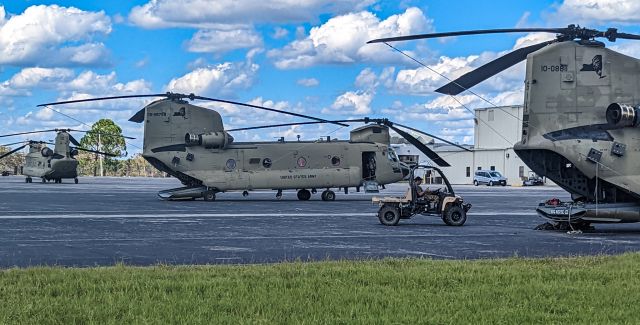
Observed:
{"x":604,"y":289}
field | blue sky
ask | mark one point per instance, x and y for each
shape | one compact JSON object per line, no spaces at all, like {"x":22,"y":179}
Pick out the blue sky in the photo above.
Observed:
{"x":304,"y":56}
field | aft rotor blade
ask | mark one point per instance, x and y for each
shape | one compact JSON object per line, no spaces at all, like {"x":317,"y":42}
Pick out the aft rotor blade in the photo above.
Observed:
{"x":102,"y":98}
{"x":264,"y":108}
{"x":73,"y":140}
{"x":421,"y":146}
{"x":433,"y":136}
{"x":468,"y":32}
{"x":13,"y":151}
{"x":627,"y":36}
{"x":30,"y":132}
{"x":102,"y":133}
{"x":488,"y":70}
{"x":95,"y":151}
{"x":291,"y":124}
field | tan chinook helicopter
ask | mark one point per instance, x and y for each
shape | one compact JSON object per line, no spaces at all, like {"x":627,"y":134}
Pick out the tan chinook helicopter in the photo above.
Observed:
{"x":51,"y":164}
{"x":581,"y":120}
{"x":190,"y":143}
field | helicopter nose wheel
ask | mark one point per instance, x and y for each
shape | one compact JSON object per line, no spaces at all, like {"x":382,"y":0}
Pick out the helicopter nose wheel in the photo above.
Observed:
{"x":328,"y":195}
{"x":75,"y":180}
{"x":28,"y":180}
{"x":304,"y":195}
{"x":245,"y":193}
{"x":279,"y":195}
{"x":209,"y":196}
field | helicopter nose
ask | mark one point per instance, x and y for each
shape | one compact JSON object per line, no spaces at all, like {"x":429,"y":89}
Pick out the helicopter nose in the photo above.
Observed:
{"x":405,"y":170}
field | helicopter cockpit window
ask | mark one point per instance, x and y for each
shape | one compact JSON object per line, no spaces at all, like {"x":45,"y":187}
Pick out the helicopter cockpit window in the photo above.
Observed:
{"x":335,"y":161}
{"x":231,"y":164}
{"x":266,"y":163}
{"x":254,"y":161}
{"x":392,"y":155}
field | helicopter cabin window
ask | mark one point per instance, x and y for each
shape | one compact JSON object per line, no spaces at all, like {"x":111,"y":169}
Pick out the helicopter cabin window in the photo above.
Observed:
{"x":254,"y":161}
{"x":335,"y":161}
{"x":491,"y":117}
{"x":266,"y":163}
{"x":231,"y":164}
{"x":377,"y":130}
{"x":391,"y":155}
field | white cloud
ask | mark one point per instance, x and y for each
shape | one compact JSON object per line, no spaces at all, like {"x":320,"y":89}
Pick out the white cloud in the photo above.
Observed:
{"x":201,"y":13}
{"x":342,"y":39}
{"x":223,"y":79}
{"x":585,"y":11}
{"x":42,"y":35}
{"x":351,"y":102}
{"x":279,"y":33}
{"x":220,"y":41}
{"x":308,"y":82}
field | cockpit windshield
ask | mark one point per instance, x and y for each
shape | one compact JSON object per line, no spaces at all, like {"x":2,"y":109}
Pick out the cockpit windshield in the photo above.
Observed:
{"x":392,"y":155}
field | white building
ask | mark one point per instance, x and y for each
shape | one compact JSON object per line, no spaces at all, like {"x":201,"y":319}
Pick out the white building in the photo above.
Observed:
{"x":496,"y":130}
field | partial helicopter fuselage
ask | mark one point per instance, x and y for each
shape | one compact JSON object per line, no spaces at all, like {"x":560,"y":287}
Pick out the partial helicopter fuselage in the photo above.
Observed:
{"x":47,"y":164}
{"x":190,"y":143}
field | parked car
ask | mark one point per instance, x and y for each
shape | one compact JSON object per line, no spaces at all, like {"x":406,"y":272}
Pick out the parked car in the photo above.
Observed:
{"x":533,"y":180}
{"x":489,"y":177}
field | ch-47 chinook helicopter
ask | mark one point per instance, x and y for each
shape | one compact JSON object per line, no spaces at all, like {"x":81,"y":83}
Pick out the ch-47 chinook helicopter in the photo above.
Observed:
{"x":190,"y":143}
{"x":51,"y":164}
{"x":581,"y":120}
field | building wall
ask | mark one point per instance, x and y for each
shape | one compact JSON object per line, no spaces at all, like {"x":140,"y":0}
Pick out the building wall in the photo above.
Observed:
{"x":497,"y":128}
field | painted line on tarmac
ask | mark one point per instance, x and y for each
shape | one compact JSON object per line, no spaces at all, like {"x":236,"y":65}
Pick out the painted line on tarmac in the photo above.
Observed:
{"x":226,"y":215}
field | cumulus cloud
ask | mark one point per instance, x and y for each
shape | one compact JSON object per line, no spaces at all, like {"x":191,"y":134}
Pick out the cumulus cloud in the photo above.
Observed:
{"x":201,"y":13}
{"x":279,"y":33}
{"x":53,"y":36}
{"x":221,"y":80}
{"x":220,"y":41}
{"x":308,"y":82}
{"x":342,"y":39}
{"x":352,"y":102}
{"x":585,"y":11}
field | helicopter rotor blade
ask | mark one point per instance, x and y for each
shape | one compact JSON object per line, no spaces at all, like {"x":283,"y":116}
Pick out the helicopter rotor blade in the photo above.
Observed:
{"x":11,"y":144}
{"x":468,"y":32}
{"x":73,"y":140}
{"x":433,"y":136}
{"x":95,"y":151}
{"x":264,"y":108}
{"x":101,"y":98}
{"x":291,"y":124}
{"x":21,"y":133}
{"x":420,"y":146}
{"x":490,"y":69}
{"x":13,"y":151}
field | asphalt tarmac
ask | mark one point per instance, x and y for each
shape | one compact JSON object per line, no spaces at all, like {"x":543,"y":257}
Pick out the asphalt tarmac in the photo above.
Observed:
{"x":103,"y":221}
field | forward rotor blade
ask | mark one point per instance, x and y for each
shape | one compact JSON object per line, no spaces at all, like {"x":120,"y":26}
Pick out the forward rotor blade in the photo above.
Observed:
{"x":95,"y":151}
{"x":421,"y":146}
{"x":138,"y":117}
{"x":627,"y":36}
{"x":291,"y":124}
{"x":264,"y":108}
{"x":10,"y":144}
{"x":488,"y":70}
{"x":468,"y":32}
{"x":13,"y":151}
{"x":30,"y":132}
{"x":433,"y":136}
{"x":102,"y":98}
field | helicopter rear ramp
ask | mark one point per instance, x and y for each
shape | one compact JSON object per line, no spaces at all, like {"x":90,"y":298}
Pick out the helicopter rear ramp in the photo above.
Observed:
{"x":183,"y":193}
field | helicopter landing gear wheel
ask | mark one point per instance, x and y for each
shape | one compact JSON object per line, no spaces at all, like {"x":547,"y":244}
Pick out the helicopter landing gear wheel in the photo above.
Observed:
{"x":245,"y":193}
{"x":28,"y":180}
{"x":454,"y":216}
{"x":328,"y":195}
{"x":389,"y":215}
{"x":279,"y":195}
{"x":304,"y":195}
{"x":209,"y":196}
{"x":75,"y":180}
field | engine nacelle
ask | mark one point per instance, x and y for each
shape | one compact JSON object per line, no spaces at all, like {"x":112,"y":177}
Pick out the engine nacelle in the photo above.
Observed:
{"x":210,"y":140}
{"x":622,"y":115}
{"x":46,"y":152}
{"x":73,"y":152}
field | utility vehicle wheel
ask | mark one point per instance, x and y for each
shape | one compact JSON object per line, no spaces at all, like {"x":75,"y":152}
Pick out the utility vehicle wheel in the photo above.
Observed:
{"x":389,"y":215}
{"x":304,"y":195}
{"x":209,"y":196}
{"x":475,"y":183}
{"x":328,"y":196}
{"x":454,"y":216}
{"x":44,"y":180}
{"x":490,"y":183}
{"x":75,"y":180}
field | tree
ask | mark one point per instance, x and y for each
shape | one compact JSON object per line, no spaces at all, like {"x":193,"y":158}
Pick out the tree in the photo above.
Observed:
{"x":12,"y":162}
{"x":105,"y":136}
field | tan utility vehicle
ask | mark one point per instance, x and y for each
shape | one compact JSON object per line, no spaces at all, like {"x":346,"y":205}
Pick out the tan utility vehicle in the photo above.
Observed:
{"x":441,"y":202}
